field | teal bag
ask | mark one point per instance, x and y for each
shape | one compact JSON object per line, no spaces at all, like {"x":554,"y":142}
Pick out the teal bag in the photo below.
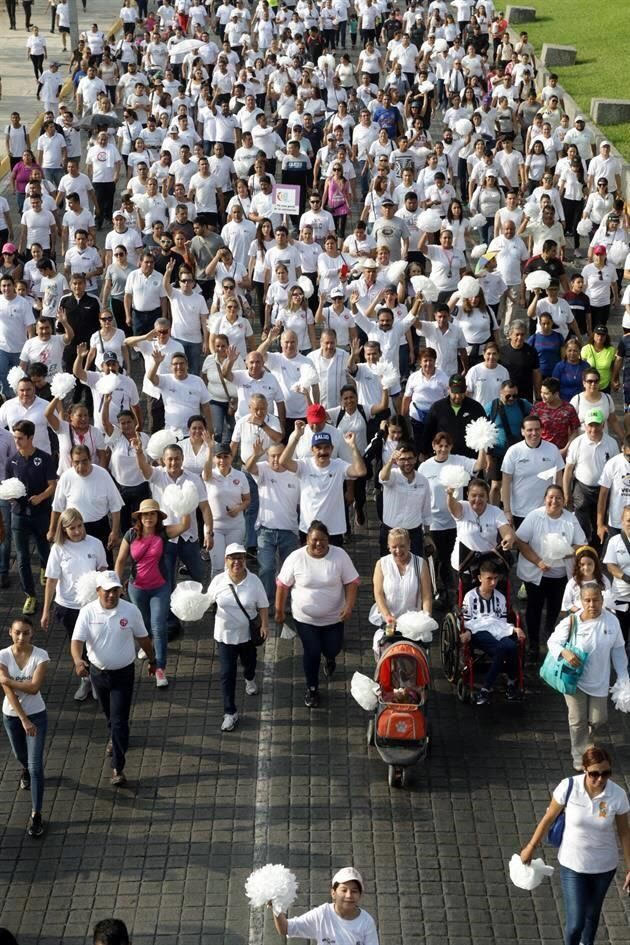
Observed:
{"x":559,"y":674}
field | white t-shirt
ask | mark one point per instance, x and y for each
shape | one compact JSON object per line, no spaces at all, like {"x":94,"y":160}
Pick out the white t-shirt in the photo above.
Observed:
{"x":484,"y":383}
{"x":146,"y":349}
{"x":325,"y":926}
{"x":67,"y":562}
{"x":246,"y":433}
{"x":322,"y":494}
{"x":122,"y":459}
{"x":182,"y":398}
{"x":225,"y":492}
{"x":616,"y":477}
{"x":589,"y":841}
{"x":406,"y":504}
{"x":278,"y":497}
{"x":477,"y":532}
{"x":186,"y":312}
{"x":266,"y":385}
{"x":533,"y":529}
{"x":617,"y":553}
{"x":12,"y":410}
{"x":230,"y":624}
{"x":48,"y":352}
{"x":524,"y":464}
{"x":317,"y":585}
{"x":441,"y":518}
{"x":110,"y":635}
{"x":602,"y":641}
{"x":93,"y":495}
{"x":103,"y":161}
{"x":29,"y":703}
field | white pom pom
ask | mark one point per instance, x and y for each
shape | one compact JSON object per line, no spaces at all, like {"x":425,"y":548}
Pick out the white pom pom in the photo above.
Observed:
{"x":306,"y":285}
{"x":107,"y":384}
{"x":617,"y":253}
{"x":14,"y":376}
{"x":396,"y":271}
{"x":440,"y":45}
{"x":584,"y":227}
{"x":308,"y":376}
{"x":477,"y":221}
{"x":12,"y":489}
{"x":85,"y":588}
{"x":183,"y":500}
{"x":287,"y":633}
{"x":478,"y":251}
{"x":62,"y":384}
{"x":417,"y":625}
{"x":537,"y":280}
{"x":528,"y":875}
{"x":453,"y":476}
{"x":532,"y":209}
{"x":188,"y":603}
{"x":481,"y":434}
{"x":555,"y":548}
{"x":463,"y":127}
{"x":425,"y":86}
{"x":469,"y":287}
{"x":620,"y":694}
{"x":272,"y":883}
{"x":159,"y":441}
{"x":429,"y":221}
{"x":390,"y":377}
{"x":425,"y":287}
{"x":365,"y":691}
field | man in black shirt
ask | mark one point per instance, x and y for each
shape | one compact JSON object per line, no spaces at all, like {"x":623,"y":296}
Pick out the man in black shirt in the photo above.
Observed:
{"x":548,"y":261}
{"x":521,"y":361}
{"x":82,"y":311}
{"x":31,"y":514}
{"x":452,"y":415}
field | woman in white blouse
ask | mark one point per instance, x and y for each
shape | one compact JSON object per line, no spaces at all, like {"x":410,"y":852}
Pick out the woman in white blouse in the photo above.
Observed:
{"x":239,"y":597}
{"x":401,"y":583}
{"x":323,"y":583}
{"x":596,"y":817}
{"x":477,"y":524}
{"x":222,"y":392}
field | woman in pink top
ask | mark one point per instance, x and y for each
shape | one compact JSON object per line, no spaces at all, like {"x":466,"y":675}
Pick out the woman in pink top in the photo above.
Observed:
{"x":148,"y":587}
{"x":21,"y":174}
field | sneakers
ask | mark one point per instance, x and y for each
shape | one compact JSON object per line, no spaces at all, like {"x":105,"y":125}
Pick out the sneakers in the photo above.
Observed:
{"x":30,"y":606}
{"x":229,"y":722}
{"x":118,"y":779}
{"x":160,"y":679}
{"x":142,"y":655}
{"x":512,"y":692}
{"x":35,"y":826}
{"x":84,"y":690}
{"x":311,"y":698}
{"x":42,"y":577}
{"x":483,"y":697}
{"x":25,"y":779}
{"x":329,"y":668}
{"x":250,"y":687}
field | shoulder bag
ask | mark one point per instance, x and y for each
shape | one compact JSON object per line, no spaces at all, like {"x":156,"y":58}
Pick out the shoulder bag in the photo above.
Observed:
{"x":255,"y":623}
{"x":556,"y":831}
{"x":232,"y":402}
{"x":558,"y":673}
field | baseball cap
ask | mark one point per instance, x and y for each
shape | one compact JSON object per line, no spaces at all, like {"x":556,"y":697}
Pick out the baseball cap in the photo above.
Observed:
{"x":9,"y":248}
{"x":457,"y":382}
{"x":388,"y":202}
{"x":234,"y":549}
{"x":315,"y":413}
{"x":222,"y":449}
{"x":117,"y":213}
{"x":594,"y":416}
{"x":337,"y":293}
{"x":107,"y":580}
{"x":578,"y":118}
{"x":110,"y":356}
{"x":604,"y":144}
{"x":600,"y":330}
{"x":599,"y":250}
{"x":347,"y":875}
{"x":321,"y":439}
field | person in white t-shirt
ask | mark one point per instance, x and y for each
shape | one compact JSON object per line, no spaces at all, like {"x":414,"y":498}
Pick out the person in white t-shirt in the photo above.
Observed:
{"x":46,"y":348}
{"x":189,"y":313}
{"x":528,"y":468}
{"x":340,"y":921}
{"x":229,"y":498}
{"x":483,"y":380}
{"x":183,"y":394}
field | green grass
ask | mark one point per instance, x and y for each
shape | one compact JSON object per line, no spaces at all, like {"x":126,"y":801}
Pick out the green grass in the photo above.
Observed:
{"x":600,"y":31}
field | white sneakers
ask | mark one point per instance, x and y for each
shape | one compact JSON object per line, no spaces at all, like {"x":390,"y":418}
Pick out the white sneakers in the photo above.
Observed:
{"x":229,"y":722}
{"x":250,"y":687}
{"x":160,"y":679}
{"x":84,"y":690}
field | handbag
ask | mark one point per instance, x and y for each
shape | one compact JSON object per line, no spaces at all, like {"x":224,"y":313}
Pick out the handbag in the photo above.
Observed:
{"x":232,"y":401}
{"x":255,"y":623}
{"x":556,"y":831}
{"x":559,"y":674}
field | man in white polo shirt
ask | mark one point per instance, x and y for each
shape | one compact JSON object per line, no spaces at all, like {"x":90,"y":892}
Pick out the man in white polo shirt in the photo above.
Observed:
{"x":157,"y":339}
{"x":406,"y":499}
{"x":145,"y":296}
{"x":255,"y":380}
{"x":26,"y":406}
{"x":528,"y":468}
{"x":586,"y":457}
{"x":183,"y":394}
{"x":111,"y":628}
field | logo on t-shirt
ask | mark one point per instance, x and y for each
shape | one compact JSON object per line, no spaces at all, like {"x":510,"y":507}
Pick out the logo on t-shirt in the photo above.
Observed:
{"x":37,"y":461}
{"x":124,"y":622}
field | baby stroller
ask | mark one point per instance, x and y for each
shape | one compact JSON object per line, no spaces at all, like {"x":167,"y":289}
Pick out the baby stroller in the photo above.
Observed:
{"x":399,"y":729}
{"x":461,"y":661}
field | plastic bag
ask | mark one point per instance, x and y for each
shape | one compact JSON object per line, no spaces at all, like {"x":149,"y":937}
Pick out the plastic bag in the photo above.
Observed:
{"x":364,"y":691}
{"x":188,"y":603}
{"x":528,"y":875}
{"x":620,"y":694}
{"x":537,"y":280}
{"x":417,"y":625}
{"x":287,"y":633}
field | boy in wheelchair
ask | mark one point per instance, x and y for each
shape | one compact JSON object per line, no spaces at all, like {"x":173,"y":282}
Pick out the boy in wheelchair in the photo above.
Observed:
{"x":484,"y":611}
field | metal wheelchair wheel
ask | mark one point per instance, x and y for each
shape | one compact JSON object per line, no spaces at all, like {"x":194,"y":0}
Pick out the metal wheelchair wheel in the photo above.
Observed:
{"x":449,"y":644}
{"x":370,"y":733}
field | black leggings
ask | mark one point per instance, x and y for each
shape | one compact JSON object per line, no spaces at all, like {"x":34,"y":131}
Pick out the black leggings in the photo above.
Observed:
{"x":444,"y":541}
{"x":38,"y":65}
{"x":549,"y":592}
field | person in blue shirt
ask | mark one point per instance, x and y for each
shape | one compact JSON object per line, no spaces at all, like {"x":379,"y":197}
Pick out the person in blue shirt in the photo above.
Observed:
{"x":507,"y":412}
{"x":388,"y":117}
{"x":548,"y":344}
{"x":569,"y":370}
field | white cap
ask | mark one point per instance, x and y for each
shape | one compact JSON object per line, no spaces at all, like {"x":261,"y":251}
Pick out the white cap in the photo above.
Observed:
{"x":107,"y":580}
{"x":346,"y":875}
{"x":369,"y":264}
{"x":337,"y":293}
{"x":578,"y":118}
{"x":604,"y":143}
{"x":235,"y":549}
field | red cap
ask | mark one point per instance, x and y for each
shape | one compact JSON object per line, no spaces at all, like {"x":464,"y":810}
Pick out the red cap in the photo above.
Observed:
{"x":599,"y":250}
{"x":315,"y":413}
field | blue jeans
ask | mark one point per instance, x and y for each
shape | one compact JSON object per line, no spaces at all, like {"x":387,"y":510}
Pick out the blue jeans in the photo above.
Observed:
{"x":252,"y":513}
{"x":229,"y":655}
{"x":114,"y":689}
{"x":8,"y":359}
{"x":222,"y":422}
{"x":192,"y":350}
{"x":583,"y":895}
{"x":318,"y":641}
{"x":24,"y":527}
{"x":154,"y":607}
{"x":29,"y":751}
{"x":188,"y":554}
{"x":53,"y":175}
{"x":274,"y":545}
{"x":5,"y":546}
{"x":142,"y":322}
{"x":501,"y":652}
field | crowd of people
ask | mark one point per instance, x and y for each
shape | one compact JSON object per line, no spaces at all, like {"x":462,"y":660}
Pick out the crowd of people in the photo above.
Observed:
{"x":459,"y":252}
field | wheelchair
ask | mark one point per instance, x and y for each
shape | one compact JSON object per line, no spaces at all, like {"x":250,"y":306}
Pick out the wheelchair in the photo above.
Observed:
{"x":462,"y":662}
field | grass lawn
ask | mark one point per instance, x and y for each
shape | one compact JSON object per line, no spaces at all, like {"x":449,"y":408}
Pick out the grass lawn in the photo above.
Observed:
{"x":599,"y":31}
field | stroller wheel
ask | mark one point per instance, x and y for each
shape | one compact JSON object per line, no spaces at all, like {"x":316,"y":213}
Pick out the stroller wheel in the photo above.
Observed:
{"x":395,"y":776}
{"x":463,"y":692}
{"x":370,"y":733}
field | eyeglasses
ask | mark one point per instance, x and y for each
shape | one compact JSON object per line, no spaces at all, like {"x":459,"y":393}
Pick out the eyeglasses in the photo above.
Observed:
{"x":107,"y":319}
{"x":185,"y":281}
{"x":228,"y":286}
{"x":594,"y":775}
{"x":591,"y":380}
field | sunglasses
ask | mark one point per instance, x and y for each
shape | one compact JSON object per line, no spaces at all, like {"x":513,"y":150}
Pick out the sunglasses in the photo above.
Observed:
{"x":119,"y":254}
{"x":107,"y":319}
{"x":594,"y":775}
{"x":185,"y":281}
